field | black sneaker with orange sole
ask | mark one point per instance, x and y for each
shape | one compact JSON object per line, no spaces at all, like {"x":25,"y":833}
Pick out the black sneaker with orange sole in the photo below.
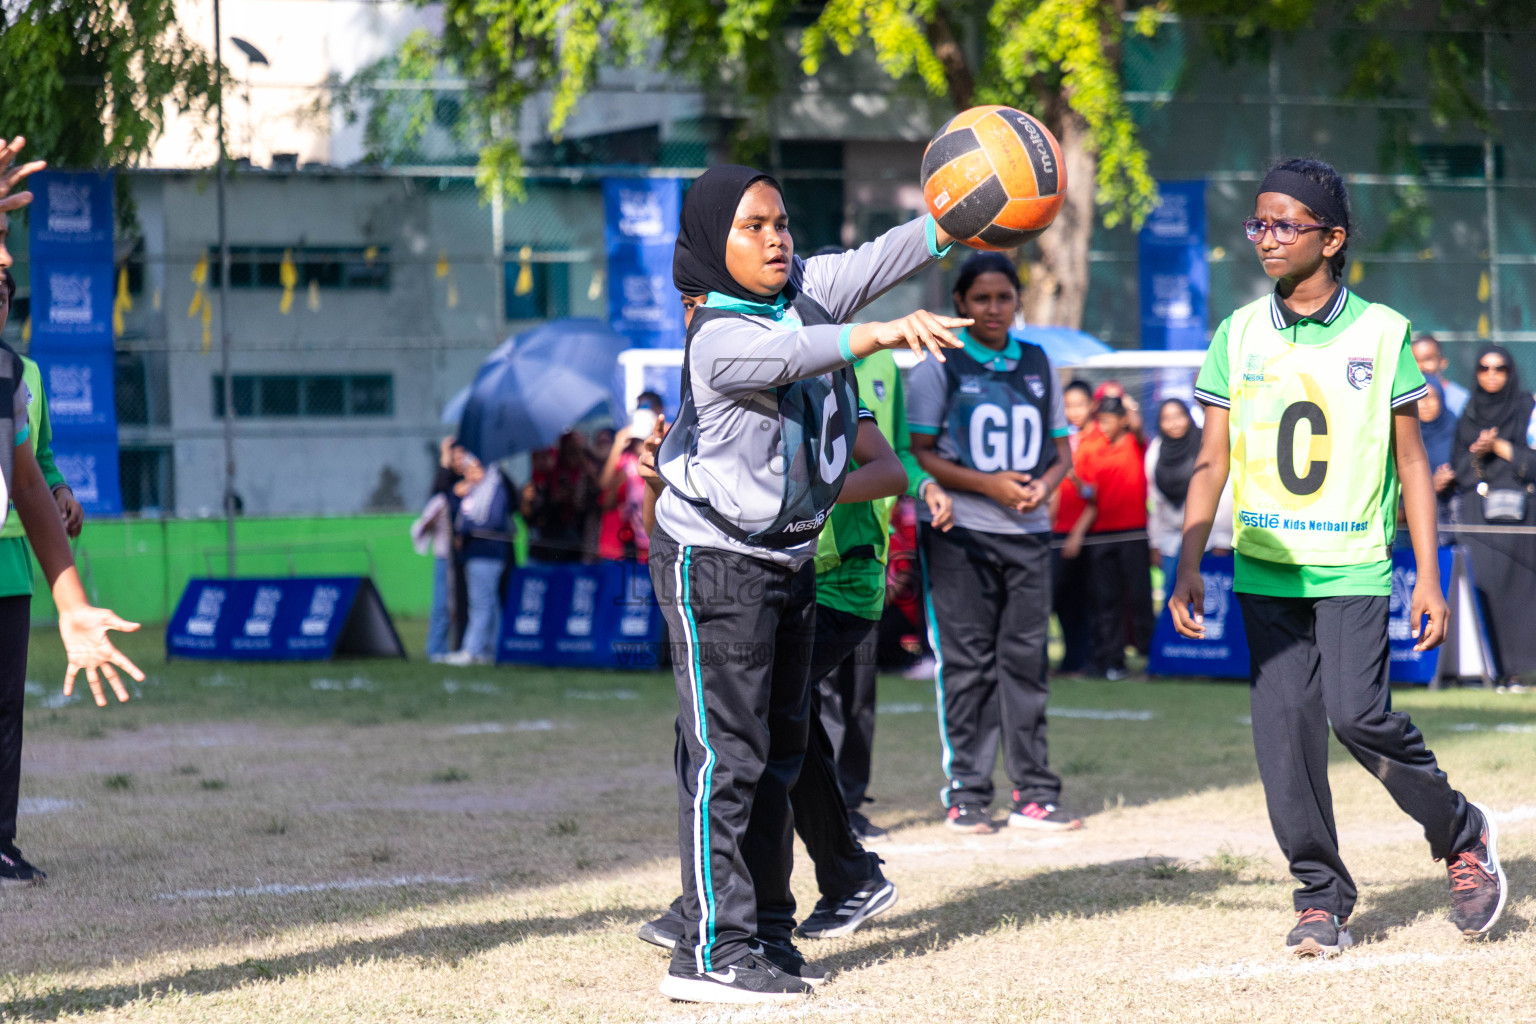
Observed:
{"x":1478,"y":886}
{"x":1318,"y":933}
{"x":969,"y":818}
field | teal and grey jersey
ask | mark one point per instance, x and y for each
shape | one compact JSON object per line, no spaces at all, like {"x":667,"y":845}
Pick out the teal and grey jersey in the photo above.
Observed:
{"x":990,"y":411}
{"x":762,"y":442}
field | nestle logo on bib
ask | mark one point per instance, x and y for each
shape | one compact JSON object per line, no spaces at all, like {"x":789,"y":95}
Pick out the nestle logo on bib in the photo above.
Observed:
{"x":1358,"y":371}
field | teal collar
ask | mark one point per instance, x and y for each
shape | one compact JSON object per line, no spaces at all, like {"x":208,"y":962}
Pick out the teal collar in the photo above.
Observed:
{"x":990,"y":357}
{"x":774,"y":310}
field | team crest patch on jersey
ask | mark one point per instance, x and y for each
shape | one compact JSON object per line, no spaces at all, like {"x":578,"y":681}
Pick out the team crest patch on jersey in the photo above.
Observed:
{"x":879,"y":388}
{"x":1036,"y":385}
{"x":971,"y":386}
{"x":1358,"y":371}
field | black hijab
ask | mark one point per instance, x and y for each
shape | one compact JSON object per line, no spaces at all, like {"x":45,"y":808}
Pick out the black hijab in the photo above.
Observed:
{"x":1176,"y":456}
{"x":698,"y":261}
{"x":1508,"y":411}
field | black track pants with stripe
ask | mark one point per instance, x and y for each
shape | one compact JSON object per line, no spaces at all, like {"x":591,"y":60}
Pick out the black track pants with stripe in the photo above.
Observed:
{"x":1320,"y":660}
{"x":844,"y":687}
{"x":742,"y":631}
{"x":15,"y":626}
{"x":989,"y":605}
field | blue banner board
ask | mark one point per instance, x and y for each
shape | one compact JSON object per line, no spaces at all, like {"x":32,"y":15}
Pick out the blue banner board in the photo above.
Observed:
{"x":294,"y":619}
{"x":1175,"y":278}
{"x":639,"y":232}
{"x":587,"y":616}
{"x":71,"y":224}
{"x":1223,"y":654}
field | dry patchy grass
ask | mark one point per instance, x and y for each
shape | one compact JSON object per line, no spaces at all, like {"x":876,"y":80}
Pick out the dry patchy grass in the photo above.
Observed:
{"x":396,"y":841}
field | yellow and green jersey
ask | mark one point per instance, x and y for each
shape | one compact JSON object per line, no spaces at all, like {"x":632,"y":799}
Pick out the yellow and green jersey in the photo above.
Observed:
{"x":852,"y":549}
{"x":15,"y":555}
{"x":1314,"y":479}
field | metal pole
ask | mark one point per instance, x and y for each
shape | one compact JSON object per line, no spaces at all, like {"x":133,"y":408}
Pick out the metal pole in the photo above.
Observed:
{"x":1490,"y":194}
{"x":1274,"y":98}
{"x":229,"y":382}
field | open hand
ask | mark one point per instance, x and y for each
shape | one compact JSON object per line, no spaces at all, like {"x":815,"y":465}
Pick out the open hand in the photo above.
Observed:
{"x":84,"y":630}
{"x":1484,"y":443}
{"x":922,"y":332}
{"x":10,"y":176}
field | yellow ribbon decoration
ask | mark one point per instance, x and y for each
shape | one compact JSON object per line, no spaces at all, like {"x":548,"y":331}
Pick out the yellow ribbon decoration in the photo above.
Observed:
{"x":288,"y":276}
{"x":199,"y":279}
{"x":122,"y":303}
{"x":314,"y":297}
{"x":524,"y":271}
{"x":207,"y":325}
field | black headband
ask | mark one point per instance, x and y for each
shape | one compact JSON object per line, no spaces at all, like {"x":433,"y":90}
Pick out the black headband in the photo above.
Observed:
{"x":1307,"y":192}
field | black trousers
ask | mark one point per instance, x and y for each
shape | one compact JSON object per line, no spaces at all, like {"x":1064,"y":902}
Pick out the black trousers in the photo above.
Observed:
{"x":15,"y":629}
{"x":744,"y":629}
{"x":989,"y":606}
{"x":1072,"y":600}
{"x":1322,"y":660}
{"x":1120,"y":575}
{"x":844,"y":686}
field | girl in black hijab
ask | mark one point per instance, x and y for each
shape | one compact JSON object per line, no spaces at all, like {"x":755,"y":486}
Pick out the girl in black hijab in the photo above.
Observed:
{"x":766,"y":433}
{"x":1496,"y":475}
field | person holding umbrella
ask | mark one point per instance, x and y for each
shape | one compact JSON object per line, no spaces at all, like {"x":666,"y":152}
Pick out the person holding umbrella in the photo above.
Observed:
{"x":768,"y":426}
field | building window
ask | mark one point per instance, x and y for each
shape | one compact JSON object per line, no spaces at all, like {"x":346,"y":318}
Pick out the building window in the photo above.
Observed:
{"x":309,"y":395}
{"x":145,"y":475}
{"x":351,"y":267}
{"x":546,"y":292}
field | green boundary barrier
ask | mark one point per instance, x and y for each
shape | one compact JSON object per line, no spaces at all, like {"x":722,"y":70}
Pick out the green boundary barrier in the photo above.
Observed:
{"x":139,"y":567}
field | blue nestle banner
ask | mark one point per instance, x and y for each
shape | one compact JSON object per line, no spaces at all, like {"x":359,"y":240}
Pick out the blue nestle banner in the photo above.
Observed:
{"x":71,"y":304}
{"x":639,"y":232}
{"x":1223,"y":653}
{"x":303,"y":619}
{"x":589,"y":616}
{"x":1174,"y":275}
{"x":79,"y":386}
{"x":71,"y":217}
{"x":89,"y":466}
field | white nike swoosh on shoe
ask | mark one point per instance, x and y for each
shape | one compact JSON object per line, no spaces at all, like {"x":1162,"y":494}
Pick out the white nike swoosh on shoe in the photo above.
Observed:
{"x":726,"y":977}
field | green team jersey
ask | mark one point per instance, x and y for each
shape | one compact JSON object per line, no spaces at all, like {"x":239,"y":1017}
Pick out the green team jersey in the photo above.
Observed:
{"x":852,"y":549}
{"x":15,"y":555}
{"x":1314,"y":479}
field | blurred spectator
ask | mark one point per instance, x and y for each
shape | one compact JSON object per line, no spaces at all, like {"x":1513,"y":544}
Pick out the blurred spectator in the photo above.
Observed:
{"x":557,"y":499}
{"x":1438,"y":425}
{"x":1170,"y":462}
{"x":432,"y":533}
{"x":1495,"y":469}
{"x":1432,"y":363}
{"x":1071,"y":596}
{"x":481,"y":530}
{"x":1111,"y":469}
{"x":622,"y":533}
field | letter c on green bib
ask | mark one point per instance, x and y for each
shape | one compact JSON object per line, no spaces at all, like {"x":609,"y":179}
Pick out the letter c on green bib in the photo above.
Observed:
{"x":1285,"y":454}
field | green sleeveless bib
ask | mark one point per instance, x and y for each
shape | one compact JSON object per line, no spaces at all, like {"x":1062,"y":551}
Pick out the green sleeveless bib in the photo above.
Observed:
{"x":1311,"y":428}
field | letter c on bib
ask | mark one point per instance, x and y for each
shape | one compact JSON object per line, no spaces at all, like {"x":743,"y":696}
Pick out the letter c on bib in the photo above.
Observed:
{"x":989,"y":438}
{"x":1285,"y":454}
{"x":834,"y":456}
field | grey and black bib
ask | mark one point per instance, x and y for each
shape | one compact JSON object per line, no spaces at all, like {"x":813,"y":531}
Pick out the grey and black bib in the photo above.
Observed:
{"x":817,"y":425}
{"x":1000,"y":419}
{"x":10,"y":379}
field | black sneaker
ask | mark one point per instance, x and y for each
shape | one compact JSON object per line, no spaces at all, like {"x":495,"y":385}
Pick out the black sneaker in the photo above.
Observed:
{"x":666,"y":930}
{"x":1044,"y":817}
{"x":969,"y":818}
{"x":1478,"y":887}
{"x":866,"y":830}
{"x":752,"y":979}
{"x":1318,"y":933}
{"x":833,"y":918}
{"x":783,"y":955}
{"x":15,"y":870}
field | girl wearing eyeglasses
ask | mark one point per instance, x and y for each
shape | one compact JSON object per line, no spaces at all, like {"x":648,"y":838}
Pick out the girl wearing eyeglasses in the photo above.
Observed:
{"x":1311,"y":398}
{"x":1495,"y":471}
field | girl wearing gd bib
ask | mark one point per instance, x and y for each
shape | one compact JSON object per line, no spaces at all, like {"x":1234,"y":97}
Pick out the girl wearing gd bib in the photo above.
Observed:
{"x":1311,"y":398}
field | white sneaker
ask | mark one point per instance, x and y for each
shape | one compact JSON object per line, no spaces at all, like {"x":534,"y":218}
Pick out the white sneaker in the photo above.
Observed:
{"x":923,"y":670}
{"x":459,"y":658}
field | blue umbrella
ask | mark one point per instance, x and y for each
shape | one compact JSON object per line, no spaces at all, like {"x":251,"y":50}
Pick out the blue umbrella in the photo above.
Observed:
{"x":536,"y":386}
{"x":1067,"y":346}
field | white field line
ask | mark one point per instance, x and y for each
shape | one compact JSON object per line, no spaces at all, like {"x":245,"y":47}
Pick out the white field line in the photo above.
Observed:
{"x":345,"y":885}
{"x":602,"y":694}
{"x":337,"y":685}
{"x":483,"y":688}
{"x":491,"y":728}
{"x":821,"y":1006}
{"x":1524,"y":812}
{"x":43,"y":805}
{"x":1498,"y":727}
{"x":1097,"y":714}
{"x":1347,"y":963}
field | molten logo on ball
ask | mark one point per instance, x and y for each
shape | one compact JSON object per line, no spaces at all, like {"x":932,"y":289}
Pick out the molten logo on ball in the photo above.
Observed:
{"x":992,"y":177}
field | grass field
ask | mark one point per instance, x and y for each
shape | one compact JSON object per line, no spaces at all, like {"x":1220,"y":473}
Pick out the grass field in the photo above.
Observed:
{"x":377,"y":841}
